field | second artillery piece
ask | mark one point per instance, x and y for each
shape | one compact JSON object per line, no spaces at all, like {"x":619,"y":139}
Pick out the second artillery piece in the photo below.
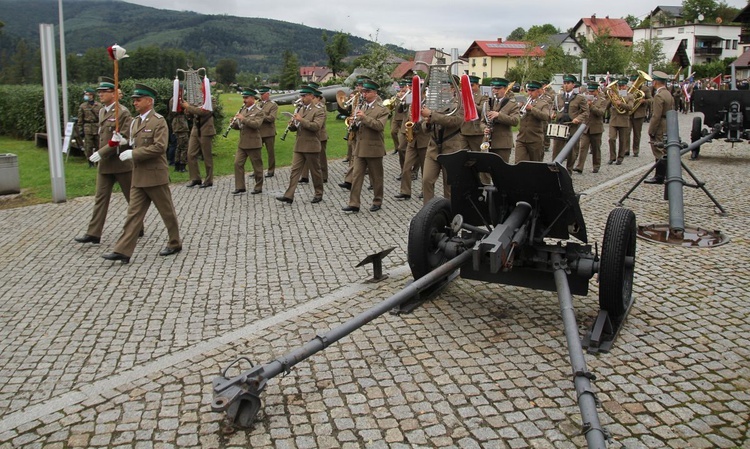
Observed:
{"x":514,"y":231}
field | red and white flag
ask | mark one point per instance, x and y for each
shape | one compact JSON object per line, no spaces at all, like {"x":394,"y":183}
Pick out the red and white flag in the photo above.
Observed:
{"x":717,"y":80}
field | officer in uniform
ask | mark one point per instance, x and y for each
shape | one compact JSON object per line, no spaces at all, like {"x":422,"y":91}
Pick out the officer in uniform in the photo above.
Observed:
{"x":268,"y":128}
{"x":88,"y":123}
{"x":400,"y":110}
{"x":570,"y":109}
{"x":592,"y":137}
{"x":534,"y":116}
{"x":417,"y":140}
{"x":370,"y":121}
{"x":657,"y":127}
{"x":351,"y":136}
{"x":249,"y":121}
{"x":110,"y":169}
{"x":181,"y":130}
{"x":638,"y":117}
{"x":201,"y":142}
{"x":619,"y":123}
{"x":503,"y":116}
{"x":149,"y":136}
{"x":319,"y":102}
{"x":472,"y":132}
{"x":306,"y":122}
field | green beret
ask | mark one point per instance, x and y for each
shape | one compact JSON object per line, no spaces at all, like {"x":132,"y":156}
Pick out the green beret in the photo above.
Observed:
{"x":249,"y":93}
{"x":569,"y":79}
{"x":306,"y":90}
{"x":622,"y":81}
{"x":499,"y":82}
{"x":142,"y":90}
{"x":90,"y":90}
{"x":474,"y":79}
{"x":264,"y":89}
{"x":370,"y":84}
{"x":592,"y":86}
{"x":659,"y":76}
{"x":106,"y":83}
{"x":533,"y":85}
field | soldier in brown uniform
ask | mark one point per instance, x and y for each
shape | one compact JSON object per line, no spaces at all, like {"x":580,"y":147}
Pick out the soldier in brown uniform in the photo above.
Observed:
{"x":181,"y":130}
{"x":111,"y":169}
{"x":569,"y":109}
{"x":638,"y":116}
{"x":400,"y":116}
{"x":201,"y":142}
{"x":368,"y":155}
{"x":414,"y":157}
{"x":662,"y":102}
{"x":307,"y":122}
{"x":249,"y":121}
{"x":351,"y":142}
{"x":592,"y":137}
{"x":88,"y":123}
{"x":534,"y":116}
{"x":619,"y":123}
{"x":319,"y":102}
{"x":268,"y":128}
{"x":472,"y":132}
{"x":149,"y":135}
{"x":503,"y":116}
{"x":444,"y":139}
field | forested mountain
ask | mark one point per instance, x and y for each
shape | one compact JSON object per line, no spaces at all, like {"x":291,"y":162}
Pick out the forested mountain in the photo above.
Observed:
{"x":256,"y":44}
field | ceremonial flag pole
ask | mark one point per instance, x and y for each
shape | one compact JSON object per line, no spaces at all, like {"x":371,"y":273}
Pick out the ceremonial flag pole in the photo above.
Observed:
{"x":116,"y":53}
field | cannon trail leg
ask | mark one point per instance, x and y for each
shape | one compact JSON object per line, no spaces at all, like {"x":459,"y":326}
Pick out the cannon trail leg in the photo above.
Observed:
{"x":592,"y":429}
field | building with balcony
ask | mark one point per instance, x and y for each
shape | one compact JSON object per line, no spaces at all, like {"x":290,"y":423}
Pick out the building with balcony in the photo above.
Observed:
{"x":692,"y":44}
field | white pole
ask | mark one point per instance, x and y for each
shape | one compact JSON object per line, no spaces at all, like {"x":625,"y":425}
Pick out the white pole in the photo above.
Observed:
{"x":52,"y":111}
{"x":63,"y":66}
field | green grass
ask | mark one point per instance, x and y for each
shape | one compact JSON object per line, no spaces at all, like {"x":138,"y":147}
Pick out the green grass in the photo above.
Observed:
{"x":80,"y":180}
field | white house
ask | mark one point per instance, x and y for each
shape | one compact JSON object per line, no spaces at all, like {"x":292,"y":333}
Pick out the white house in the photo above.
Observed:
{"x":696,"y":43}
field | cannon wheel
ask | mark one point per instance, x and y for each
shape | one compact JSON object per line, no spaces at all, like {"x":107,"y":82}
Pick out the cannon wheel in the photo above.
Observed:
{"x":617,"y":263}
{"x":696,"y":134}
{"x":427,"y":229}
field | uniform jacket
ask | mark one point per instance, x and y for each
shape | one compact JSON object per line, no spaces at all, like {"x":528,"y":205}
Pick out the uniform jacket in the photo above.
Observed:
{"x":270,"y":111}
{"x":149,"y":139}
{"x":502,"y":125}
{"x":323,"y":133}
{"x":641,"y":111}
{"x":577,"y":108}
{"x":370,"y":138}
{"x":400,"y":108}
{"x":178,"y":120}
{"x":88,"y":117}
{"x":597,"y":109}
{"x":203,"y":121}
{"x":420,"y":131}
{"x":662,"y":103}
{"x":444,"y":131}
{"x":307,"y":131}
{"x":111,"y":162}
{"x":532,"y":124}
{"x":249,"y":127}
{"x":475,"y":127}
{"x":618,"y":120}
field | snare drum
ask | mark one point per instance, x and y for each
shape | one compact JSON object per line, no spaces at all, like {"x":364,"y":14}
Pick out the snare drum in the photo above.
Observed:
{"x":557,"y":131}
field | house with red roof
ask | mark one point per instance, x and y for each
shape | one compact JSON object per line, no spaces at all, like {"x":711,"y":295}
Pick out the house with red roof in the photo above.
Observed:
{"x":589,"y":27}
{"x":489,"y":59}
{"x":315,"y":74}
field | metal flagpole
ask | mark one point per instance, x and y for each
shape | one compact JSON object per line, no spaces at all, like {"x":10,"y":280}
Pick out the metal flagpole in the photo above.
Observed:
{"x":52,"y":112}
{"x":63,"y":67}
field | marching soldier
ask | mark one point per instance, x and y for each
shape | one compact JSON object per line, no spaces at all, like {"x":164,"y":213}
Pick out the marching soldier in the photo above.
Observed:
{"x":619,"y":124}
{"x":638,"y":116}
{"x":592,"y":137}
{"x":249,"y":121}
{"x":570,"y":109}
{"x":149,"y":135}
{"x":356,"y":99}
{"x":444,"y":139}
{"x":662,"y":102}
{"x":307,"y":122}
{"x":534,"y":116}
{"x":503,"y":116}
{"x":88,"y":123}
{"x":400,"y":110}
{"x":472,"y":132}
{"x":181,"y":130}
{"x":368,"y":155}
{"x":417,"y":140}
{"x":320,"y":102}
{"x":110,"y":169}
{"x":201,"y":142}
{"x":268,"y":128}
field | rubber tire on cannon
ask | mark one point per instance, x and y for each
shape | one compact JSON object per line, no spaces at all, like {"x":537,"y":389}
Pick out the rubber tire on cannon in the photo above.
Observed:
{"x":696,"y":133}
{"x":617,"y":263}
{"x":429,"y":227}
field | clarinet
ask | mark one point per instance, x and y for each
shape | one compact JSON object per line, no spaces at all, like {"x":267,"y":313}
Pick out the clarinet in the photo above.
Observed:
{"x":289,"y":125}
{"x":232,"y":122}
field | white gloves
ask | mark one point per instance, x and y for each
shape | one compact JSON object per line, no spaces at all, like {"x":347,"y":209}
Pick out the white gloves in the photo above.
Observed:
{"x":126,"y":155}
{"x":115,"y":140}
{"x":95,"y":157}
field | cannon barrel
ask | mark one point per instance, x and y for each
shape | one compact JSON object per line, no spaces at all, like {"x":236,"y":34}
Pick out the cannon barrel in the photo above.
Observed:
{"x":498,"y":246}
{"x":573,"y":141}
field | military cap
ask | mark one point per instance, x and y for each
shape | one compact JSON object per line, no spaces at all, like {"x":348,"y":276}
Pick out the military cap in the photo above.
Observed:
{"x":370,"y":84}
{"x":106,"y":83}
{"x":592,"y":86}
{"x":622,"y":81}
{"x":142,"y":90}
{"x":660,"y":76}
{"x":312,"y":84}
{"x":318,"y":93}
{"x":89,"y":90}
{"x":474,"y":79}
{"x":264,"y":89}
{"x":533,"y":85}
{"x":633,"y":77}
{"x":306,"y":90}
{"x":249,"y":93}
{"x":403,"y":82}
{"x":499,"y":82}
{"x":569,"y":79}
{"x":362,"y":78}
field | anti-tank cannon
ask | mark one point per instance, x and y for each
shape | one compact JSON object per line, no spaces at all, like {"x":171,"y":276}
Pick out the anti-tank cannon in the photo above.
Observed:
{"x":515,"y":231}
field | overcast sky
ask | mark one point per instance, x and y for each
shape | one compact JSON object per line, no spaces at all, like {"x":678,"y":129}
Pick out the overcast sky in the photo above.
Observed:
{"x":420,"y":25}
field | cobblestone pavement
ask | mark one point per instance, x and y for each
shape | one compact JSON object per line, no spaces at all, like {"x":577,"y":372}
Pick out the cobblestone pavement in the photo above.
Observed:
{"x":100,"y":354}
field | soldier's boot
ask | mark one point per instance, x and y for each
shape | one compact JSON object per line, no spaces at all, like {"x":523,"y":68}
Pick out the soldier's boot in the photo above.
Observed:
{"x":660,"y":174}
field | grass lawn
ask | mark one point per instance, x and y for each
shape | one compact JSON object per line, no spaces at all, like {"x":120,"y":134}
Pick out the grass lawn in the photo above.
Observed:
{"x":80,"y":180}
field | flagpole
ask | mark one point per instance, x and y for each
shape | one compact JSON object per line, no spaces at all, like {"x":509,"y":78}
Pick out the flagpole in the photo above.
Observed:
{"x":63,"y":66}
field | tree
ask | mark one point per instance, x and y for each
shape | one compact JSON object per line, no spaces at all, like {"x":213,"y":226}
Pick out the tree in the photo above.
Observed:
{"x":22,"y":65}
{"x":645,"y":52}
{"x":226,"y":71}
{"x":633,"y":21}
{"x":337,"y":48}
{"x":290,"y":77}
{"x":726,"y":12}
{"x":556,"y":61}
{"x":691,"y":9}
{"x":518,"y":34}
{"x":540,"y":33}
{"x":605,"y":54}
{"x":375,"y":63}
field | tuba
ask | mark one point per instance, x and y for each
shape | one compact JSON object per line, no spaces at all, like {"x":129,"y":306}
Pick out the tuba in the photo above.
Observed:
{"x":614,"y":96}
{"x":635,"y":89}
